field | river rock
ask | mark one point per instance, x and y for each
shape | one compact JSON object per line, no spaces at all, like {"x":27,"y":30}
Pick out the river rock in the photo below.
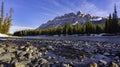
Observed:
{"x":11,"y":50}
{"x":106,"y":54}
{"x":30,"y":48}
{"x":6,"y":57}
{"x":103,"y":62}
{"x":19,"y":64}
{"x":113,"y":64}
{"x":28,"y":43}
{"x":56,"y":62}
{"x":21,"y":58}
{"x":30,"y":56}
{"x":45,"y":65}
{"x":51,"y":48}
{"x":46,"y":53}
{"x":43,"y":61}
{"x":117,"y":58}
{"x":22,"y":48}
{"x":42,"y":48}
{"x":21,"y":53}
{"x":65,"y":65}
{"x":2,"y":50}
{"x":93,"y":64}
{"x":49,"y":58}
{"x":14,"y":60}
{"x":39,"y":55}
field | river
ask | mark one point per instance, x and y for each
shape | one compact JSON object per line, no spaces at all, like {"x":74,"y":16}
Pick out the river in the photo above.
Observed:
{"x":91,"y":38}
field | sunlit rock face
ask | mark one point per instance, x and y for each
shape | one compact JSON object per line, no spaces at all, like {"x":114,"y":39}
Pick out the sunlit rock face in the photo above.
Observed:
{"x":72,"y":18}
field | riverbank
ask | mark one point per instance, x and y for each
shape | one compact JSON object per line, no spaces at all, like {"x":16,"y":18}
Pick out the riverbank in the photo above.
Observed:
{"x":26,"y":52}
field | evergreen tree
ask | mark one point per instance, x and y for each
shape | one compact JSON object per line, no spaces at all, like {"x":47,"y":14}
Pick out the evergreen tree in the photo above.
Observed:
{"x":59,"y":30}
{"x":89,"y":28}
{"x":115,"y":21}
{"x":108,"y":24}
{"x":83,"y":29}
{"x":68,"y":28}
{"x":78,"y":28}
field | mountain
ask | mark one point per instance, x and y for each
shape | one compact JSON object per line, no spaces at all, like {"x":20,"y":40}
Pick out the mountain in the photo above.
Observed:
{"x":72,"y":18}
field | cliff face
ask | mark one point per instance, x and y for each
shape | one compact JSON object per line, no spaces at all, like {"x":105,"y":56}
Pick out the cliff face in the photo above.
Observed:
{"x":70,"y":17}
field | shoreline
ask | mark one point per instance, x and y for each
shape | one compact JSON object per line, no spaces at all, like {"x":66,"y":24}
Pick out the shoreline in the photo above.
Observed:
{"x":78,"y":53}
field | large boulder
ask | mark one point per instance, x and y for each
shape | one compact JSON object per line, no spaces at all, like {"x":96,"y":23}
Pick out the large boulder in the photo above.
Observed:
{"x":6,"y":57}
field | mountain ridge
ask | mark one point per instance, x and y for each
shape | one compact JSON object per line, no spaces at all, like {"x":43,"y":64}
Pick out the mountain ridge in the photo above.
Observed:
{"x":73,"y":18}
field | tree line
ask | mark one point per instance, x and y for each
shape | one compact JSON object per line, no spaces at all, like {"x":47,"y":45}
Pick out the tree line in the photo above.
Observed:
{"x":68,"y":29}
{"x":111,"y":26}
{"x":5,"y":20}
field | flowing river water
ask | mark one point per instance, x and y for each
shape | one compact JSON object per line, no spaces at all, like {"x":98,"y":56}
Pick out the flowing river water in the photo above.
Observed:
{"x":90,"y":38}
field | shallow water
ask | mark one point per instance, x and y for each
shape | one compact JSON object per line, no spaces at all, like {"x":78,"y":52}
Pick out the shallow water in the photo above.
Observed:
{"x":91,"y":38}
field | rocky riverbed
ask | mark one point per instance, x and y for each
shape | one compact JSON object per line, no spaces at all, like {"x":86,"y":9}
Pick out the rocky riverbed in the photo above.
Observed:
{"x":19,"y":52}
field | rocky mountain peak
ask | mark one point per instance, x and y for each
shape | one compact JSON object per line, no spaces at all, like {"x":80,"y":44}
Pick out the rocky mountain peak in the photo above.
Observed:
{"x":79,"y":13}
{"x":69,"y":17}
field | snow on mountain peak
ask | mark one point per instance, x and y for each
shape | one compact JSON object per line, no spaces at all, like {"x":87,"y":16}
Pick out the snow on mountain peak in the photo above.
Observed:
{"x":70,"y":17}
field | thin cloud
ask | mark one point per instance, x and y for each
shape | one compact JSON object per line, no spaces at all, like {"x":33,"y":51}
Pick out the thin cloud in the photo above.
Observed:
{"x":64,"y":7}
{"x":83,"y":6}
{"x":50,"y":10}
{"x":91,"y":8}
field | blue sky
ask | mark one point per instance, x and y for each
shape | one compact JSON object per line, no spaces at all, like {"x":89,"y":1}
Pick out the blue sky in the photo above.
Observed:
{"x":32,"y":13}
